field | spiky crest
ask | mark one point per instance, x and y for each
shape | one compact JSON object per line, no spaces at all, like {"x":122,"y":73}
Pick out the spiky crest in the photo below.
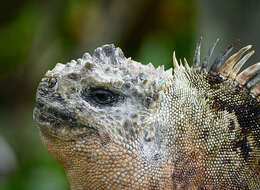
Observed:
{"x":229,"y":68}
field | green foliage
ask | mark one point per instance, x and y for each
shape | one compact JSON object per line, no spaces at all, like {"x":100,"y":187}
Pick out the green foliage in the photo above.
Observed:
{"x":16,"y":37}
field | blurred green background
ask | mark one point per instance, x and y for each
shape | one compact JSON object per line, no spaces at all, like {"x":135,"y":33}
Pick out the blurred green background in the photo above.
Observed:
{"x":35,"y":35}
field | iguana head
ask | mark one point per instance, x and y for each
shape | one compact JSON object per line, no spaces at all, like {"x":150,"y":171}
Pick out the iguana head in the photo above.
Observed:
{"x":114,"y":123}
{"x":98,"y":108}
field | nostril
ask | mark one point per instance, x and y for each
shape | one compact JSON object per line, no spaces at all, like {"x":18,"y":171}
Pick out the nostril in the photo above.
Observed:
{"x":52,"y":82}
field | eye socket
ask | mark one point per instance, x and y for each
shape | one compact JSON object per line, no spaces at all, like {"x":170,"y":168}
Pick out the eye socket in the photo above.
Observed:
{"x":100,"y":96}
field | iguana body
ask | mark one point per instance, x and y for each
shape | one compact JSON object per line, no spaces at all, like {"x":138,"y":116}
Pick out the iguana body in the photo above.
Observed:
{"x":114,"y":123}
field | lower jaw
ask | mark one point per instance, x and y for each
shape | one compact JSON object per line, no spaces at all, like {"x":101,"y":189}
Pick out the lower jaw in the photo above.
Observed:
{"x":57,"y":128}
{"x":64,"y":132}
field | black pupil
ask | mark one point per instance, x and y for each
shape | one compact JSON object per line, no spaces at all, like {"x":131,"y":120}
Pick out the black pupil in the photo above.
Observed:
{"x":100,"y":96}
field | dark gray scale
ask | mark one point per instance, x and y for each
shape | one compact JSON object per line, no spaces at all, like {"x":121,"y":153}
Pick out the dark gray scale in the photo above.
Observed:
{"x":196,"y":59}
{"x":253,"y":81}
{"x":109,"y":54}
{"x":220,"y":59}
{"x":248,"y":113}
{"x":205,"y":63}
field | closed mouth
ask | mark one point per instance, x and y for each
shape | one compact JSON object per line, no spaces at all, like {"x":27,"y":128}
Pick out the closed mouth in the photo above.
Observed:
{"x":59,"y":122}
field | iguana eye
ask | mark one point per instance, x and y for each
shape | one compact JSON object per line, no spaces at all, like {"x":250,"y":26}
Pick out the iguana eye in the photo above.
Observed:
{"x":100,"y":96}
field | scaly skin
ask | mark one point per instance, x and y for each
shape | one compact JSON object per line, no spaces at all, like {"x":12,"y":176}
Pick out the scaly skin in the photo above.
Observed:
{"x":113,"y":123}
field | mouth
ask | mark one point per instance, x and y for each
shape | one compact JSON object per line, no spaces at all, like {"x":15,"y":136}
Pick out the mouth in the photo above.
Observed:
{"x":60,"y":122}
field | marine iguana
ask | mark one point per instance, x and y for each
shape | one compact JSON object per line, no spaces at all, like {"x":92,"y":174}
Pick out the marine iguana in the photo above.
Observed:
{"x":114,"y":123}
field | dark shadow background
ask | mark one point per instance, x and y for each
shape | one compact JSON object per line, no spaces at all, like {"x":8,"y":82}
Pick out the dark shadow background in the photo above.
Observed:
{"x":35,"y":35}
